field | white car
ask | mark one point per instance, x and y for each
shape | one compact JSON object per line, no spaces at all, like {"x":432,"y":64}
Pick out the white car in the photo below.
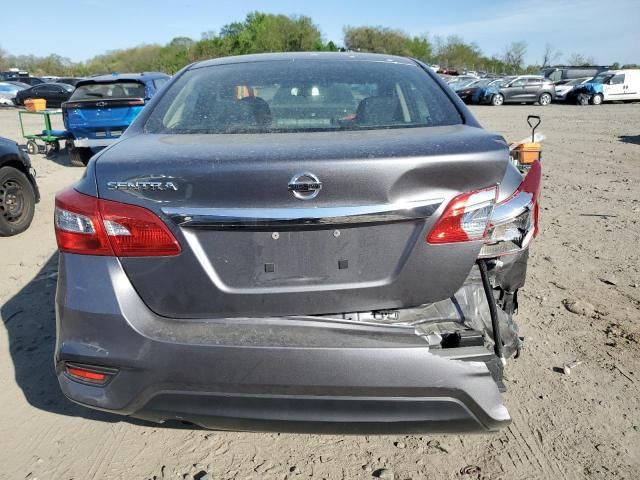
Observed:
{"x":617,"y":85}
{"x":8,"y":93}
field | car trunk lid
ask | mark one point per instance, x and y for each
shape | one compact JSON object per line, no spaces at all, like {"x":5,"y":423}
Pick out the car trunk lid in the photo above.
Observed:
{"x":251,"y":247}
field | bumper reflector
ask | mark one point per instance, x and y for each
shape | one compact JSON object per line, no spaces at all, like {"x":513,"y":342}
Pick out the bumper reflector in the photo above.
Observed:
{"x":87,"y":374}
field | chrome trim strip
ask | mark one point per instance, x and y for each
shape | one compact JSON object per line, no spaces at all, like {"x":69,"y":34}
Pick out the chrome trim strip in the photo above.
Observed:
{"x":511,"y":208}
{"x":322,"y":217}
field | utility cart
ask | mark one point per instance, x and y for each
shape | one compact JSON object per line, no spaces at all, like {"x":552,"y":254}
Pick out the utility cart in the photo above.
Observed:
{"x":48,"y":137}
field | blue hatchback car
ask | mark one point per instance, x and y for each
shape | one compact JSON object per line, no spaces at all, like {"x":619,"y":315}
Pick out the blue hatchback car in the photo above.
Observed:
{"x":102,"y":107}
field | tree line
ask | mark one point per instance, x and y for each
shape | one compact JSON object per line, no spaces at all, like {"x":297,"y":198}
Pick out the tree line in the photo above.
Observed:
{"x":263,"y":32}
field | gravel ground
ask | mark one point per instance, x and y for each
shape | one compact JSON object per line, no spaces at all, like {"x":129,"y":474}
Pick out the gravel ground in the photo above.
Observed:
{"x":582,"y":301}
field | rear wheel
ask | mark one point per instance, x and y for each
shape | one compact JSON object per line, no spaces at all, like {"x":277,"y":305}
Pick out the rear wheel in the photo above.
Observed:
{"x":497,"y":100}
{"x":597,"y":99}
{"x":17,"y":202}
{"x":78,"y":157}
{"x":545,"y":99}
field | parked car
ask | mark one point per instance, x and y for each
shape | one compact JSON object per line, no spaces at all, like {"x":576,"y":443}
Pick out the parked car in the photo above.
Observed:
{"x":8,"y":93}
{"x":318,"y":242}
{"x":463,"y":83}
{"x":525,"y":89}
{"x":54,"y":93}
{"x":612,"y":85}
{"x":565,"y":86}
{"x":460,"y":79}
{"x":18,"y":189}
{"x":19,"y":75}
{"x":478,"y":90}
{"x":102,"y":107}
{"x":33,"y":81}
{"x":69,"y":80}
{"x":564,"y":72}
{"x":22,"y":85}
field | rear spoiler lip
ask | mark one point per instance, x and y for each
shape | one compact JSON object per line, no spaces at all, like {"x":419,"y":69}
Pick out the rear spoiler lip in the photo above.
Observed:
{"x":322,"y":217}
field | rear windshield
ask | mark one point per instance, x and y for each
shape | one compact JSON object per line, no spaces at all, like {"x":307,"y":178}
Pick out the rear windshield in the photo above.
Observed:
{"x":92,"y":91}
{"x":301,"y":95}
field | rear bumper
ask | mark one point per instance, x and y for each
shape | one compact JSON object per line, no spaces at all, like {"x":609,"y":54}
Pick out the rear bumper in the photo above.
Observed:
{"x":298,"y":375}
{"x":94,"y":142}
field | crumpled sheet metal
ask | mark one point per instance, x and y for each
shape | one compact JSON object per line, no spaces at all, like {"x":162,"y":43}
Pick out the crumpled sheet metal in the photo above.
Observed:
{"x":589,"y":88}
{"x":469,"y":307}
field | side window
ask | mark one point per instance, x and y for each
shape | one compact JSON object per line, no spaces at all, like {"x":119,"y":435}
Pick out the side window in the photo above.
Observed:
{"x":618,"y":79}
{"x":534,"y":82}
{"x":519,"y":83}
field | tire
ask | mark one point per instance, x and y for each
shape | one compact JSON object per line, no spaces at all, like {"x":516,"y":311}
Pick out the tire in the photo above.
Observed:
{"x":545,"y":99}
{"x":497,"y":100}
{"x":597,"y":99}
{"x":54,"y":146}
{"x":32,"y":147}
{"x":582,"y":99}
{"x":78,"y":157}
{"x":17,"y":202}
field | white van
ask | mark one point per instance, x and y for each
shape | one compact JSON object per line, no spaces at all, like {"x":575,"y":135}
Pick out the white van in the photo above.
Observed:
{"x":617,"y":85}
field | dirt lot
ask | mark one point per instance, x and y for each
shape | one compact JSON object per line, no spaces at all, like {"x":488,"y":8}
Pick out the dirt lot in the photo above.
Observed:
{"x":586,"y":425}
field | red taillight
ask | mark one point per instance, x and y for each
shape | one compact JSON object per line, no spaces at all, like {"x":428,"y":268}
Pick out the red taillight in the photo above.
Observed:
{"x":90,"y":226}
{"x":465,"y":218}
{"x":78,"y":226}
{"x":83,"y":374}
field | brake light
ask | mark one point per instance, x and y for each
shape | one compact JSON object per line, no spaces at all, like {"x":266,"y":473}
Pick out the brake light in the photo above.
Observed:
{"x":90,"y":226}
{"x":514,"y":221}
{"x":77,"y":224}
{"x":465,"y":218}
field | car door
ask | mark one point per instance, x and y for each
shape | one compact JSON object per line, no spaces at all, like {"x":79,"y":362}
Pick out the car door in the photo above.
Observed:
{"x":33,"y":92}
{"x":614,"y":89}
{"x":59,"y":94}
{"x":532,"y":90}
{"x":515,"y":91}
{"x":48,"y":92}
{"x":631,"y":88}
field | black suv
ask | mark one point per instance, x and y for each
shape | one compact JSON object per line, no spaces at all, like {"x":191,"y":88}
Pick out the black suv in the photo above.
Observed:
{"x":526,"y":89}
{"x":18,"y":189}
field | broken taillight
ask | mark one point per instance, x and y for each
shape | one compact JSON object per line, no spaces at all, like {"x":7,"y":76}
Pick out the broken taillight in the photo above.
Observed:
{"x":465,"y":218}
{"x":514,"y":222}
{"x":87,"y":225}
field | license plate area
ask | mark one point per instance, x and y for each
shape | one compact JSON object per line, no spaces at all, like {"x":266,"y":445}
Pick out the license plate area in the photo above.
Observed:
{"x":245,"y":259}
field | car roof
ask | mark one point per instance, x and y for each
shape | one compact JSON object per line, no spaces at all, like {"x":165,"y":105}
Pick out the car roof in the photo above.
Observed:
{"x":124,"y":76}
{"x":622,"y":70}
{"x":272,"y":57}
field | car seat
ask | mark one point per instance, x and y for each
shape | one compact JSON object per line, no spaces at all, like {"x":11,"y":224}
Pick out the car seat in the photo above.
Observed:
{"x":379,"y":111}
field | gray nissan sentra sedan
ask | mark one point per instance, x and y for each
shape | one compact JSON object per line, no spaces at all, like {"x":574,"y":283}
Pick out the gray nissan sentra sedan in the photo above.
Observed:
{"x":296,"y":242}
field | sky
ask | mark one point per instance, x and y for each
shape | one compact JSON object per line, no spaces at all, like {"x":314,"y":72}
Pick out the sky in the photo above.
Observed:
{"x":608,"y":31}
